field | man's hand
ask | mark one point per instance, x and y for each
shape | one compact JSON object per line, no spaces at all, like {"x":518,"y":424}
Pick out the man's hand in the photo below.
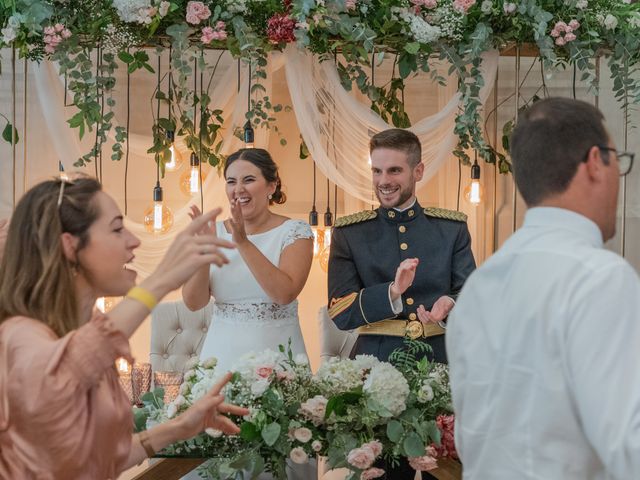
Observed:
{"x":405,"y":274}
{"x":438,"y":312}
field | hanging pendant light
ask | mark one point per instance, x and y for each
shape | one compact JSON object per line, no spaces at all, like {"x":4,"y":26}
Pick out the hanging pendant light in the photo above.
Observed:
{"x":248,"y":133}
{"x":175,"y":160}
{"x":158,"y":218}
{"x":191,"y":180}
{"x":474,"y":191}
{"x":318,"y":234}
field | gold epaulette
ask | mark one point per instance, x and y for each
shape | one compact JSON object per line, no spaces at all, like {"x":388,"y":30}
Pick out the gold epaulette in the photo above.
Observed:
{"x":446,"y":214}
{"x":357,"y":217}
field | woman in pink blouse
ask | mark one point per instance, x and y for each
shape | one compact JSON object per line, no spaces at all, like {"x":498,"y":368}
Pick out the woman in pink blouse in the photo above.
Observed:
{"x":63,"y":414}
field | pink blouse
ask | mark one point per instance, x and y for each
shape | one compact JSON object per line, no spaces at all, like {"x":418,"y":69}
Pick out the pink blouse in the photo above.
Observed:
{"x":63,"y":414}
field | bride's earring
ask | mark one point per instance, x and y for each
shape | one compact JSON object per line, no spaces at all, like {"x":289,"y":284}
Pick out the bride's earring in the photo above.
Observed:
{"x":270,"y":196}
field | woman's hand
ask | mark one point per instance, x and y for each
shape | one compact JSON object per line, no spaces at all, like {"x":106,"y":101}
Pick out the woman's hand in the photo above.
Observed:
{"x":236,"y":223}
{"x":207,"y":229}
{"x":209,"y":412}
{"x":190,"y":250}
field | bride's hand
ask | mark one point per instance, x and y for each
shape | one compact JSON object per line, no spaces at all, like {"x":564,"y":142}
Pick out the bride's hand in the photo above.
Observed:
{"x":236,"y":223}
{"x":209,"y":412}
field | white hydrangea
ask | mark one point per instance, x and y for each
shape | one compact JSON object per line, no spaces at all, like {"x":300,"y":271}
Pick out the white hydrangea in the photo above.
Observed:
{"x":486,"y":7}
{"x":236,"y":6}
{"x":421,"y":30}
{"x":582,"y":4}
{"x":634,"y":21}
{"x":134,"y":11}
{"x":340,"y":375}
{"x":387,"y":387}
{"x":365,"y":362}
{"x":610,"y":22}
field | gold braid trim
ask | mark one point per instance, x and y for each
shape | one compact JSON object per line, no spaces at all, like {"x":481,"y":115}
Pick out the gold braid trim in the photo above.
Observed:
{"x":446,"y":214}
{"x":339,"y":305}
{"x":358,"y":217}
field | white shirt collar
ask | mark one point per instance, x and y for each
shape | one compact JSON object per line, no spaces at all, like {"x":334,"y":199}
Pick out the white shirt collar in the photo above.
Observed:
{"x":406,"y":208}
{"x":565,"y":219}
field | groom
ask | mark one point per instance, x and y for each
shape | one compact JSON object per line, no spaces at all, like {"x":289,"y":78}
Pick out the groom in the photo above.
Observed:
{"x":395,"y":272}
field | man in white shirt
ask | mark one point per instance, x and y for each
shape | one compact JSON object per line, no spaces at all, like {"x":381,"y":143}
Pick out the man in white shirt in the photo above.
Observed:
{"x":544,"y":342}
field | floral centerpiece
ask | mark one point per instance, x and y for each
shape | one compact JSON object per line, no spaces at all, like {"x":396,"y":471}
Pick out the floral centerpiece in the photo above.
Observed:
{"x":351,"y":32}
{"x":354,"y":412}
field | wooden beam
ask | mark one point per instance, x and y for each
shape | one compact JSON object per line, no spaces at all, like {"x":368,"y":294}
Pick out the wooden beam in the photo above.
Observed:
{"x":447,"y":470}
{"x":170,"y":468}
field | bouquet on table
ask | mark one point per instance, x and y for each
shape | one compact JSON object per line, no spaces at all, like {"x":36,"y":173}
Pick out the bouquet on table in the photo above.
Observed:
{"x":354,"y":412}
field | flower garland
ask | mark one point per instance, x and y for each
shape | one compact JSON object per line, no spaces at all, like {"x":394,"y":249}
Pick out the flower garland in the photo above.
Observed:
{"x":413,"y":31}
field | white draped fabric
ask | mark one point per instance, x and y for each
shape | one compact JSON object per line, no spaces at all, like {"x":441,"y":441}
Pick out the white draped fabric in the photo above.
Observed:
{"x":335,"y":125}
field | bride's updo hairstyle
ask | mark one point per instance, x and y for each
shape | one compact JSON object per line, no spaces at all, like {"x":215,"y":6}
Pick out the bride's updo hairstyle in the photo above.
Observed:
{"x":261,"y":159}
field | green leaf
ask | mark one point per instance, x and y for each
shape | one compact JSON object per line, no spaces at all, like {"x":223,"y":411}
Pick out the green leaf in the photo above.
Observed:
{"x":249,"y":431}
{"x":6,"y":133}
{"x":126,"y":57}
{"x":395,"y":430}
{"x":412,"y":48}
{"x":270,"y":433}
{"x":413,"y":445}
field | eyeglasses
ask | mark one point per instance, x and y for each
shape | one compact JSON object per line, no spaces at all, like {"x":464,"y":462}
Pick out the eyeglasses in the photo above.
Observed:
{"x":625,"y":159}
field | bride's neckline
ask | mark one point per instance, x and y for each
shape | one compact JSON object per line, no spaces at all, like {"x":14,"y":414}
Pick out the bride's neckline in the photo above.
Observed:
{"x":226,"y":229}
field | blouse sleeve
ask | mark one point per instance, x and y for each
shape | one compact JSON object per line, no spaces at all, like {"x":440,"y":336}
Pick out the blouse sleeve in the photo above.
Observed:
{"x":298,"y":230}
{"x":46,"y":382}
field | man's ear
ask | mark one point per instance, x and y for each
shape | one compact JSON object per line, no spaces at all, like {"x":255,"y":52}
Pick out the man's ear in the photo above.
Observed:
{"x":418,"y":171}
{"x":595,"y":163}
{"x":69,"y":246}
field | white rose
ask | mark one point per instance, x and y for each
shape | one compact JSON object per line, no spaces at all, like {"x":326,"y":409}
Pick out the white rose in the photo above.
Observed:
{"x":179,"y":400}
{"x":172,"y":409}
{"x":191,"y":363}
{"x":427,"y":392}
{"x":210,"y":362}
{"x":610,"y":22}
{"x":298,"y":455}
{"x":486,"y":7}
{"x":164,"y":8}
{"x":582,"y":4}
{"x":301,"y":358}
{"x":8,"y":35}
{"x":510,"y":8}
{"x":189,"y":375}
{"x":303,"y":435}
{"x":185,"y":388}
{"x":212,"y":432}
{"x":259,"y":387}
{"x":316,"y":445}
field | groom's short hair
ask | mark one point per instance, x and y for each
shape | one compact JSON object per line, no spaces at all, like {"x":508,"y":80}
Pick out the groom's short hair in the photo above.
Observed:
{"x":401,"y":140}
{"x":551,"y":139}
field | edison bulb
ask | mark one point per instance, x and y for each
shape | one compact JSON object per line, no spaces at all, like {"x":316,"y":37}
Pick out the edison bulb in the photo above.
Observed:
{"x":158,"y":218}
{"x":318,"y":240}
{"x":323,"y":258}
{"x":474,"y":192}
{"x":190,"y":181}
{"x":175,"y":160}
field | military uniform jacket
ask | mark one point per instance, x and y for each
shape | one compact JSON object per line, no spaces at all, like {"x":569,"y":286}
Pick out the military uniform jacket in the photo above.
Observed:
{"x":366,"y":250}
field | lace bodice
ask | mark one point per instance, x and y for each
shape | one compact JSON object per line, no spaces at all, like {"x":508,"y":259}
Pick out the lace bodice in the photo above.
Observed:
{"x":234,"y":283}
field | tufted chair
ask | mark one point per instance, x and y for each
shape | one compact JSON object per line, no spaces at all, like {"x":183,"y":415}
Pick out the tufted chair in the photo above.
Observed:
{"x":177,"y":334}
{"x":333,"y":341}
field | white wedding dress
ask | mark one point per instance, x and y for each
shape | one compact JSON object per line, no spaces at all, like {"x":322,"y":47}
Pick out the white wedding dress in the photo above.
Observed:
{"x":245,"y":319}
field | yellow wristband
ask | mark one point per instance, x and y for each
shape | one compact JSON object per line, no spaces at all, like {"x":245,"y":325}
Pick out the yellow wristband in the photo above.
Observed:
{"x":143,"y":296}
{"x":145,"y":441}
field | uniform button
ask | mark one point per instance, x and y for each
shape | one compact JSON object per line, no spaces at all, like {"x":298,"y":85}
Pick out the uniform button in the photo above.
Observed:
{"x":402,"y":228}
{"x":412,"y":316}
{"x":179,"y":330}
{"x":411,"y":213}
{"x":409,"y":301}
{"x":403,"y":246}
{"x":165,"y":356}
{"x":392,"y":214}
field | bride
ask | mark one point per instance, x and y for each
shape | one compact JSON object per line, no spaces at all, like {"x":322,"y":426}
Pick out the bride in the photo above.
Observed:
{"x":255,"y":292}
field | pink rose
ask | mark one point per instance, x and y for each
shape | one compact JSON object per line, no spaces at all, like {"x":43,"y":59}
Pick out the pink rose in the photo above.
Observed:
{"x":265,"y":371}
{"x":196,"y":12}
{"x":560,"y":41}
{"x":375,"y":446}
{"x":463,"y":6}
{"x":207,"y":35}
{"x":302,"y":434}
{"x":59,"y":27}
{"x":220,"y":25}
{"x":49,"y":48}
{"x":570,"y":37}
{"x":49,"y":30}
{"x":350,"y":4}
{"x":316,"y":445}
{"x":361,"y":458}
{"x":574,"y":24}
{"x":370,"y":473}
{"x":314,"y":409}
{"x":446,"y":425}
{"x":423,"y":464}
{"x":66,"y":33}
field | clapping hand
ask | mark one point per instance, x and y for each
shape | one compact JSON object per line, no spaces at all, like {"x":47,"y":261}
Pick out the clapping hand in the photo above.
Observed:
{"x":209,"y":412}
{"x":236,"y":223}
{"x":438,"y":312}
{"x":207,"y":229}
{"x":405,"y":274}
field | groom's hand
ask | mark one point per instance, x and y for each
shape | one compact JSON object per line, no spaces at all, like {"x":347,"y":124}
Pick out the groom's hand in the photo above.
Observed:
{"x":438,"y":312}
{"x":405,"y":274}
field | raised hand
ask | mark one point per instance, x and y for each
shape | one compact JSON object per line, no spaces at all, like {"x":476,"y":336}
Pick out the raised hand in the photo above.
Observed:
{"x":191,"y":250}
{"x":405,"y":274}
{"x":236,"y":223}
{"x":209,"y":412}
{"x":438,"y":312}
{"x":209,"y":228}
